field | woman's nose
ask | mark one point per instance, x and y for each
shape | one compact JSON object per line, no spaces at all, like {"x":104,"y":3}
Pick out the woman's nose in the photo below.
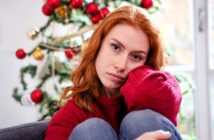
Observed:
{"x":121,"y":64}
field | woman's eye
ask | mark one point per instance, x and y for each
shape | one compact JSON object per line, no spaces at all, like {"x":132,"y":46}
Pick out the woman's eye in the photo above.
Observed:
{"x":115,"y":47}
{"x":136,"y":57}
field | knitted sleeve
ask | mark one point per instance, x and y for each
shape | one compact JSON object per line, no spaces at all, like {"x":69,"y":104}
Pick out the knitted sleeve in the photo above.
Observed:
{"x":150,"y":89}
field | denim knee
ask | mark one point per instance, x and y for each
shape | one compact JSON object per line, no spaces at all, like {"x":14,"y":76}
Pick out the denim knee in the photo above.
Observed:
{"x":136,"y":123}
{"x":93,"y":129}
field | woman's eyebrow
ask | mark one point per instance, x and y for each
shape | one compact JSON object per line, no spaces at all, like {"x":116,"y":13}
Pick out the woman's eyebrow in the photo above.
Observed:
{"x":120,"y":43}
{"x":140,"y":51}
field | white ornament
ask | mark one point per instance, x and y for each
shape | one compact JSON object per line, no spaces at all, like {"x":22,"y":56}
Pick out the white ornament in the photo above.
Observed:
{"x":42,"y":68}
{"x":26,"y":100}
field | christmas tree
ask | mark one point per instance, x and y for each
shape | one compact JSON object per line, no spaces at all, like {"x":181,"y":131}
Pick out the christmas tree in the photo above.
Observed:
{"x":69,"y":26}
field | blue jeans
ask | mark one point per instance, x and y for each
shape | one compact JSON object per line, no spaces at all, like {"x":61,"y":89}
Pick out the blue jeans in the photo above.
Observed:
{"x":133,"y":125}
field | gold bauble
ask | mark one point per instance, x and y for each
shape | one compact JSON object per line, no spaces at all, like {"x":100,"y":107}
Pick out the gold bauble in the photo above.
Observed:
{"x":38,"y":54}
{"x":33,"y":33}
{"x":62,"y":12}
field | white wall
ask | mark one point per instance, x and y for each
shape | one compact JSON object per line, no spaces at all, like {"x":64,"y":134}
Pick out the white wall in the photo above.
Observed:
{"x":16,"y":17}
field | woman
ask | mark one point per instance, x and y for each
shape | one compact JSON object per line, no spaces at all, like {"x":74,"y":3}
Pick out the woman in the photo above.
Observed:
{"x":122,"y":42}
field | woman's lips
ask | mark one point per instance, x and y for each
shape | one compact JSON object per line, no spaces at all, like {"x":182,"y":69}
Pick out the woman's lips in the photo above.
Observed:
{"x":116,"y":78}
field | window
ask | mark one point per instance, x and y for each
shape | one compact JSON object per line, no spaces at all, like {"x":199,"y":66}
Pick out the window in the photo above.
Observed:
{"x":176,"y":30}
{"x":211,"y":33}
{"x":211,"y":57}
{"x":187,"y":30}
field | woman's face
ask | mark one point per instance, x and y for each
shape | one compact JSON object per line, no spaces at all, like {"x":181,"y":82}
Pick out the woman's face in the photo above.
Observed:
{"x":122,"y":50}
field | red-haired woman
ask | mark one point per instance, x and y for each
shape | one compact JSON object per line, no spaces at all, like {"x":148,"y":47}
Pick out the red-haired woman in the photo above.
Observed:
{"x":97,"y":109}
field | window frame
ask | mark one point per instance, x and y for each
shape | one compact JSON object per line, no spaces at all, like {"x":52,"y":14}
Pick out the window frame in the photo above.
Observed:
{"x":202,"y":71}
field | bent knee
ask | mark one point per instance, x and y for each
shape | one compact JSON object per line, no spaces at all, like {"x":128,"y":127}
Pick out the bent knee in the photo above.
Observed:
{"x":146,"y":119}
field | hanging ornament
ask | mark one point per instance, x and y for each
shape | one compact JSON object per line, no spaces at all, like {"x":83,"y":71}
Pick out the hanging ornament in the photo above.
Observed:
{"x":33,"y":33}
{"x":26,"y":100}
{"x":38,"y":54}
{"x":43,"y":68}
{"x":75,"y":50}
{"x":76,"y":3}
{"x":37,"y":96}
{"x":92,"y":8}
{"x":69,"y":53}
{"x":146,"y":4}
{"x":62,"y":12}
{"x":104,"y":11}
{"x":53,"y":3}
{"x":96,"y":18}
{"x":46,"y":10}
{"x":20,"y":54}
{"x":57,"y":64}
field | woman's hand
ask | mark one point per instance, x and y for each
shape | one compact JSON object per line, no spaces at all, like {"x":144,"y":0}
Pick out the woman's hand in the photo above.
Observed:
{"x":155,"y":135}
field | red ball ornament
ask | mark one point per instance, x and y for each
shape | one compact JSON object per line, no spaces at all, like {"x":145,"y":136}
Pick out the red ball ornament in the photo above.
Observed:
{"x":96,"y":17}
{"x":76,"y":3}
{"x":104,"y":11}
{"x":92,"y":8}
{"x":46,"y":10}
{"x":53,"y":3}
{"x":37,"y":96}
{"x":69,"y":53}
{"x":147,"y":4}
{"x":20,"y":53}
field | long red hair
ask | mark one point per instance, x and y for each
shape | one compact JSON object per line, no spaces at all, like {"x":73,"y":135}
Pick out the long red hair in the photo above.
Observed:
{"x":86,"y":87}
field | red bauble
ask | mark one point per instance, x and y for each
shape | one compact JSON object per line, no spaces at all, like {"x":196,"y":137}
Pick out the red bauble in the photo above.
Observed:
{"x":37,"y":96}
{"x":53,"y":3}
{"x":76,"y":3}
{"x":46,"y":10}
{"x":69,"y":53}
{"x":147,"y":3}
{"x":104,"y":11}
{"x":92,"y":8}
{"x":20,"y":53}
{"x":96,"y":17}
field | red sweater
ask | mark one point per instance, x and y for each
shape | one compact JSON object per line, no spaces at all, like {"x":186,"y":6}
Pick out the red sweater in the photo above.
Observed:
{"x":144,"y":89}
{"x":70,"y":115}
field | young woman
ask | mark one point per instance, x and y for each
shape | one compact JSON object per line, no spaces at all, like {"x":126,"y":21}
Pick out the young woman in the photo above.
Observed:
{"x":95,"y":108}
